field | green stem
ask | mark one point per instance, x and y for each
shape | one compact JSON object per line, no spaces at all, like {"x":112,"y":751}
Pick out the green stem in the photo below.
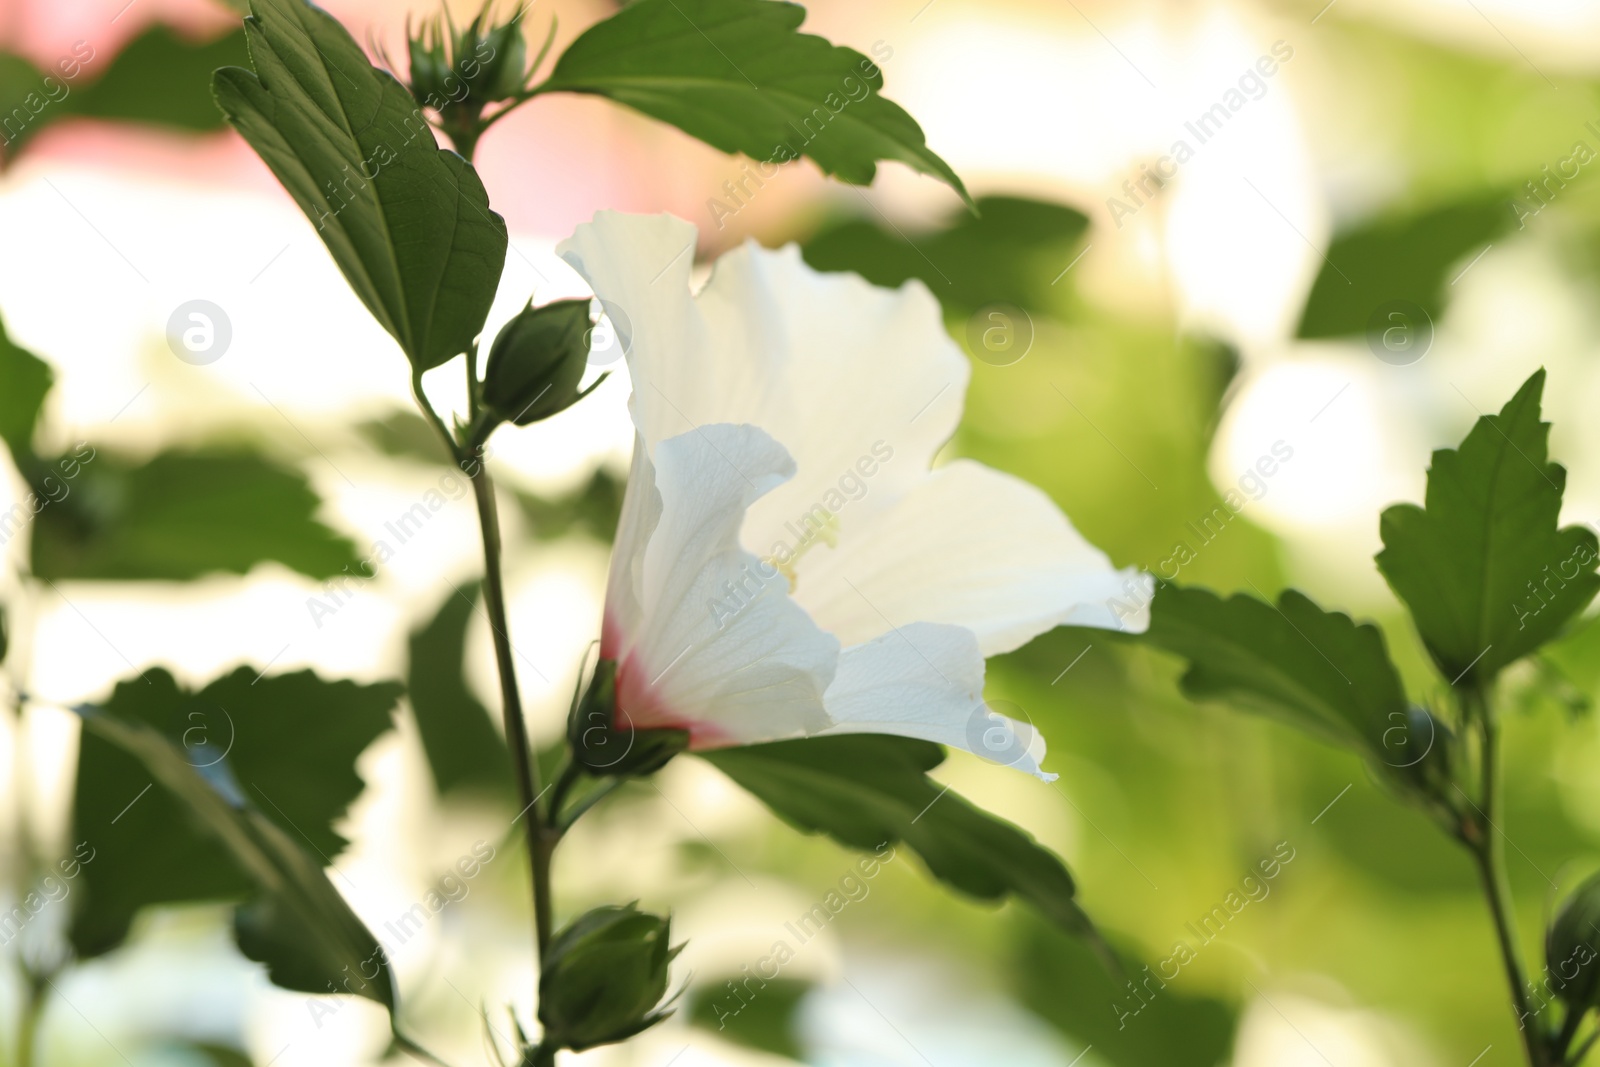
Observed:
{"x":540,"y":844}
{"x":28,"y":1024}
{"x":540,"y":841}
{"x":1489,"y":853}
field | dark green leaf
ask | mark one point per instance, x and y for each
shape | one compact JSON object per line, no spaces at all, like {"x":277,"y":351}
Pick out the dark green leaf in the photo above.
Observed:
{"x":761,"y":1015}
{"x":1484,"y":569}
{"x":161,"y":78}
{"x":1008,"y":253}
{"x":290,"y":740}
{"x":407,"y":223}
{"x":297,"y":924}
{"x":1312,"y":669}
{"x":181,"y":515}
{"x":464,"y":749}
{"x":25,"y":381}
{"x":1399,"y":258}
{"x":869,"y":790}
{"x":737,"y":75}
{"x":1166,"y":1022}
{"x":27,"y":103}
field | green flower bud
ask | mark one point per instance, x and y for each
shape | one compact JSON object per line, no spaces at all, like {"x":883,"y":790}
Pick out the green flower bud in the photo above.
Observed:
{"x":537,"y":361}
{"x":462,"y":72}
{"x":429,"y":68}
{"x":605,"y":746}
{"x":603,"y":977}
{"x":1572,"y":947}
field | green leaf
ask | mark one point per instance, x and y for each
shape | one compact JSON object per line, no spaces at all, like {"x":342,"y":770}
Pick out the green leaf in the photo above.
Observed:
{"x":407,"y":223}
{"x":25,"y":381}
{"x":868,"y":790}
{"x":1009,"y":252}
{"x":152,"y":846}
{"x":465,"y":751}
{"x":1312,"y":669}
{"x":766,"y":1021}
{"x":1408,"y":257}
{"x":592,"y":509}
{"x":738,"y":75}
{"x":181,"y":515}
{"x":1484,"y":569}
{"x":298,"y":924}
{"x":162,"y":79}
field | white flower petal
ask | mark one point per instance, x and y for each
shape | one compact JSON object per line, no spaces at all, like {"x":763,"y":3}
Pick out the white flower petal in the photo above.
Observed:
{"x":925,"y":680}
{"x":840,"y":371}
{"x":976,"y":548}
{"x":717,"y":646}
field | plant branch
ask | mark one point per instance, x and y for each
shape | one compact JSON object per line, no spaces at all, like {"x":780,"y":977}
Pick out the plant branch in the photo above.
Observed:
{"x":1489,"y":854}
{"x":539,"y":841}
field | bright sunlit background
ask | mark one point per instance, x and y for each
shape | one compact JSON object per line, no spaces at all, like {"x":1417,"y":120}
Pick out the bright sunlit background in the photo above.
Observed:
{"x":1196,"y":325}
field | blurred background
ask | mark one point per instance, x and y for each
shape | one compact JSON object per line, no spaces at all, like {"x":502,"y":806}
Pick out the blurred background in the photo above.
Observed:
{"x":1211,"y":232}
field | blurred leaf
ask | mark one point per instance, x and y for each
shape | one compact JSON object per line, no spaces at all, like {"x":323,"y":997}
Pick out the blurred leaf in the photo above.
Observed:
{"x":1009,"y":253}
{"x":161,"y":78}
{"x":290,"y":740}
{"x":181,"y":515}
{"x":737,"y":75}
{"x":405,"y":435}
{"x":1060,"y":980}
{"x":592,"y":510}
{"x":765,"y":1021}
{"x":464,"y":749}
{"x":297,"y":924}
{"x":868,"y":790}
{"x":1312,"y":669}
{"x":407,"y":223}
{"x":1574,"y":660}
{"x":22,"y":89}
{"x":25,"y":381}
{"x":222,"y":1055}
{"x":1398,"y":258}
{"x":1486,"y":573}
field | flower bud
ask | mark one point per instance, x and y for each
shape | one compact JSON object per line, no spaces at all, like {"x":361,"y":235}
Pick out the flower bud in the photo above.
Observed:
{"x":537,"y":361}
{"x":469,"y":69}
{"x":1572,"y":946}
{"x":606,"y":743}
{"x":603,"y":976}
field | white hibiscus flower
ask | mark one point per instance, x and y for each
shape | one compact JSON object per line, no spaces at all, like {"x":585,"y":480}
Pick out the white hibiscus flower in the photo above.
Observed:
{"x":787,"y":563}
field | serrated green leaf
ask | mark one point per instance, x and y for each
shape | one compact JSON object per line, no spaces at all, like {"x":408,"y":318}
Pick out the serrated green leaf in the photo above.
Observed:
{"x":465,"y":751}
{"x":149,"y":847}
{"x":1483,"y":568}
{"x":868,"y":790}
{"x":297,"y":924}
{"x":407,"y":223}
{"x":738,"y":75}
{"x":25,"y":381}
{"x":1406,"y":257}
{"x":1009,"y":252}
{"x":181,"y":515}
{"x":1312,"y":669}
